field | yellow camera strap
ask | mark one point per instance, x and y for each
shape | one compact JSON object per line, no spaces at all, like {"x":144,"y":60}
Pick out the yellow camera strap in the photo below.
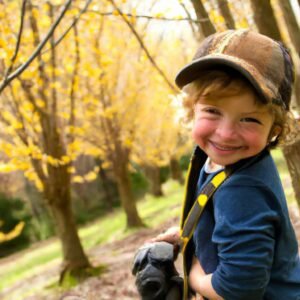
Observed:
{"x":198,"y":207}
{"x":189,"y":224}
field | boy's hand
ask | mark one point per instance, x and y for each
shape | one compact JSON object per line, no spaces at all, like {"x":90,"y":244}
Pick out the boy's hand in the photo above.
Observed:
{"x":197,"y":297}
{"x":170,"y":236}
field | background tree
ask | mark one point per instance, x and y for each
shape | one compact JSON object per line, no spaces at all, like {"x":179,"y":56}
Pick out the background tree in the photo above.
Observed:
{"x":291,"y":23}
{"x":265,"y":19}
{"x":127,"y":87}
{"x":35,"y":130}
{"x":205,"y":27}
{"x":226,"y":13}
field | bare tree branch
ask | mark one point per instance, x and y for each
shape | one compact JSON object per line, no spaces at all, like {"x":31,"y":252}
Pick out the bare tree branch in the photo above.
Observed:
{"x":23,"y":67}
{"x":53,"y":73}
{"x":19,"y":36}
{"x":110,"y":13}
{"x":76,"y":19}
{"x":144,"y":47}
{"x":73,"y":82}
{"x":191,"y":22}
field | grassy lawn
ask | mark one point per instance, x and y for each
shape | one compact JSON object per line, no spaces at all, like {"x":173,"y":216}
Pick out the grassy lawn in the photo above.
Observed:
{"x":109,"y":228}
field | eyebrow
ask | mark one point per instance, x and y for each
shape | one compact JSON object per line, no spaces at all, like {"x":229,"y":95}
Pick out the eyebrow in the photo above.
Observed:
{"x":253,"y":112}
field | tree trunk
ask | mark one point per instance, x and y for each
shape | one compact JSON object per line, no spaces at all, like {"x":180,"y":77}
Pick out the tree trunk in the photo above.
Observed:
{"x":225,"y":12}
{"x":57,"y":192}
{"x":292,"y":157}
{"x":176,"y":172}
{"x":127,"y":198}
{"x":153,"y":176}
{"x":294,"y":33}
{"x":291,"y":23}
{"x":106,"y":186}
{"x":206,"y":27}
{"x":74,"y":258}
{"x":265,"y":19}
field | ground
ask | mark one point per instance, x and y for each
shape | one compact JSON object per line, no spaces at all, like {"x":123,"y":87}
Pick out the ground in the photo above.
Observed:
{"x":117,"y":282}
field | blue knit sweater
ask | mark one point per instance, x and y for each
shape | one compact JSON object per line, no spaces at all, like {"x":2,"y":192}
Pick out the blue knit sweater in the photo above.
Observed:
{"x":245,"y":237}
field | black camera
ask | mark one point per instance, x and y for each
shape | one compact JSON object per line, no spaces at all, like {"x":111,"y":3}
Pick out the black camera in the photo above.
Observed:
{"x":156,"y":275}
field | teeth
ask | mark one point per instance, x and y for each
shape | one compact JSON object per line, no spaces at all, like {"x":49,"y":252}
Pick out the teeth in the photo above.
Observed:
{"x":225,"y":148}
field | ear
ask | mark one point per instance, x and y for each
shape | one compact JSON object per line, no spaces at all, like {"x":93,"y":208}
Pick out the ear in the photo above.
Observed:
{"x":274,"y":133}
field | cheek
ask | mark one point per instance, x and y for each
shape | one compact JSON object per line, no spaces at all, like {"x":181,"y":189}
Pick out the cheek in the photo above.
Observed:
{"x":201,"y":130}
{"x":256,"y":139}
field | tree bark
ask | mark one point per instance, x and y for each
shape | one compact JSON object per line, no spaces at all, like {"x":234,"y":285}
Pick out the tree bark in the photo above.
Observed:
{"x":74,"y":258}
{"x":292,"y":158}
{"x":291,"y":23}
{"x":57,"y":192}
{"x":127,"y":197}
{"x":225,"y":12}
{"x":176,"y":172}
{"x":265,"y":19}
{"x":206,"y":27}
{"x":153,"y":176}
{"x":106,"y":186}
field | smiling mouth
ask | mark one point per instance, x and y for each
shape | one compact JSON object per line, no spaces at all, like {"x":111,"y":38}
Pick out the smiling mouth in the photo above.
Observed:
{"x":225,"y":148}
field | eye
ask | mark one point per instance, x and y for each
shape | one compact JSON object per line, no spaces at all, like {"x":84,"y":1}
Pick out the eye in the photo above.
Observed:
{"x":250,"y":120}
{"x":212,"y":111}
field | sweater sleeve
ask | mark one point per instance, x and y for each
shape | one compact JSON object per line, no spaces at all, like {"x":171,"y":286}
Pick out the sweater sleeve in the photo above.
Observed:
{"x":246,"y":223}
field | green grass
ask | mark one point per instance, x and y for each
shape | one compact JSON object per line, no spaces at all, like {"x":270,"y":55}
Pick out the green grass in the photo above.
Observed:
{"x":29,"y":263}
{"x":111,"y":227}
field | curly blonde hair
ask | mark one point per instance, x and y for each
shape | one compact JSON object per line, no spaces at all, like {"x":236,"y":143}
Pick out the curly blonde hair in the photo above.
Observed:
{"x":228,"y":83}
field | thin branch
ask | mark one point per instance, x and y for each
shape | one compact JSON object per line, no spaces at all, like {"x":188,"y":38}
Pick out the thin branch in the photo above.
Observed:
{"x":144,"y":47}
{"x":191,"y":22}
{"x":19,"y":36}
{"x":43,"y":86}
{"x":25,"y":85}
{"x":53,"y":73}
{"x":111,"y":13}
{"x":21,"y":117}
{"x":75,"y":20}
{"x":73,"y":82}
{"x":23,"y":67}
{"x":43,"y":115}
{"x":16,"y":108}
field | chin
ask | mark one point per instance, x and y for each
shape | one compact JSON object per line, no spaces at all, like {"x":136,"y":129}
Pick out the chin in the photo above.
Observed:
{"x":225,"y":162}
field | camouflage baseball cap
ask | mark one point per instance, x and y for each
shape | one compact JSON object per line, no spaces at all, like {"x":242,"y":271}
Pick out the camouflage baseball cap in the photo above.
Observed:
{"x":265,"y":63}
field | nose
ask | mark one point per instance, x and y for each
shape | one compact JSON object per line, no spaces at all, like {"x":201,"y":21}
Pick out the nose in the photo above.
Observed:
{"x":227,"y":130}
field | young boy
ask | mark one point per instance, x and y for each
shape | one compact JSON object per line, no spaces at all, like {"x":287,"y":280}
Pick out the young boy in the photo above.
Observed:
{"x":243,"y":246}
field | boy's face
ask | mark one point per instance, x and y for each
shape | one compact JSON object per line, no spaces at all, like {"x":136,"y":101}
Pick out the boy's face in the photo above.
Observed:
{"x":231,"y":128}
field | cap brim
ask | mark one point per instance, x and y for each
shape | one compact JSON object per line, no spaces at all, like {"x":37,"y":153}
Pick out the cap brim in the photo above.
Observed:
{"x":193,"y":70}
